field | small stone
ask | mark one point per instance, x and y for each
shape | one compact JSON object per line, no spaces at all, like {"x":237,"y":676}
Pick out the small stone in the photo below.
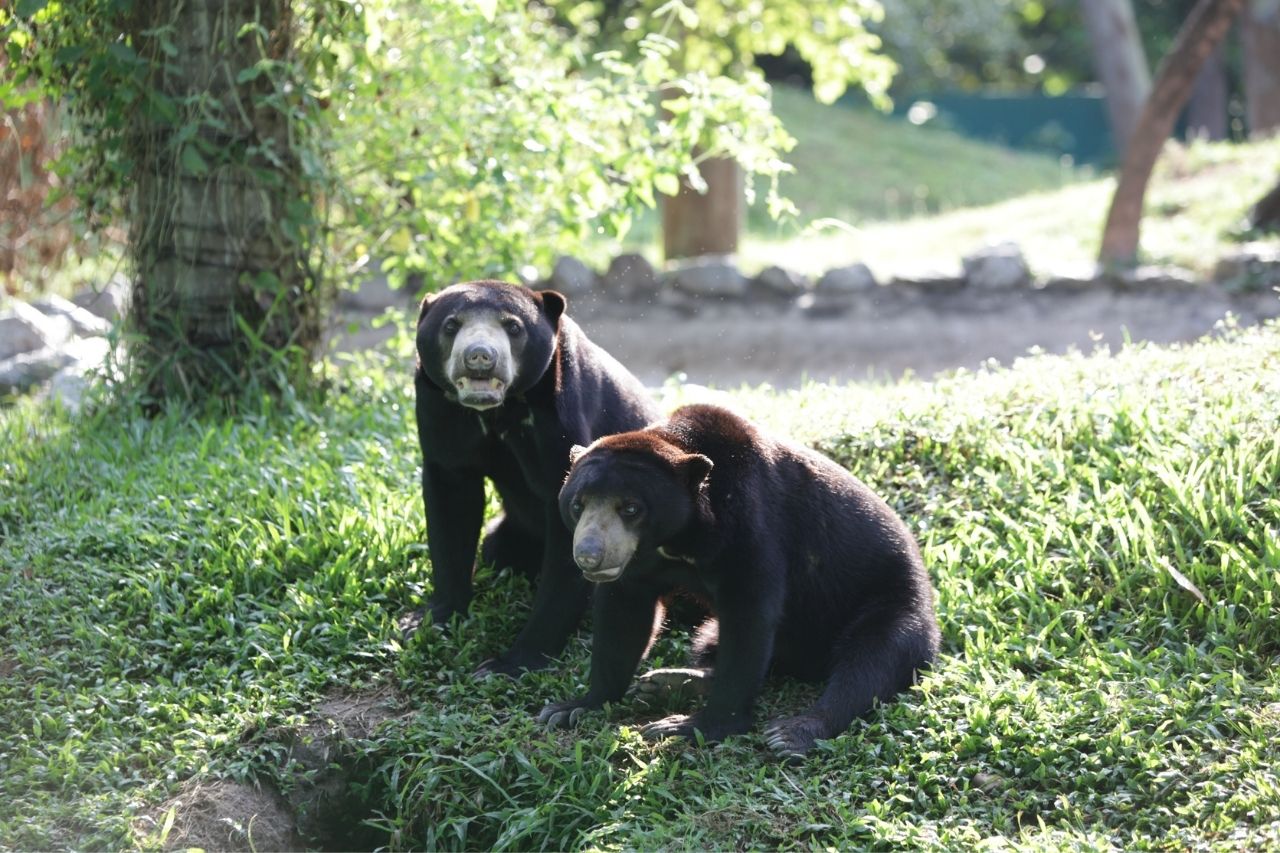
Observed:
{"x":630,"y":276}
{"x":856,"y":278}
{"x":1074,"y":278}
{"x":931,"y":282}
{"x":1255,"y":267}
{"x":822,"y":306}
{"x":1157,"y":278}
{"x":712,"y":278}
{"x":998,"y":267}
{"x":110,"y":303}
{"x":571,"y":277}
{"x":987,"y":782}
{"x":24,"y":329}
{"x":24,"y":372}
{"x":84,"y":323}
{"x":778,"y":283}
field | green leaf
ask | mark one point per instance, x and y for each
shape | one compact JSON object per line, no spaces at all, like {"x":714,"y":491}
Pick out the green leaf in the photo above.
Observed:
{"x":488,"y":8}
{"x":193,"y":162}
{"x":667,"y":183}
{"x":27,"y":8}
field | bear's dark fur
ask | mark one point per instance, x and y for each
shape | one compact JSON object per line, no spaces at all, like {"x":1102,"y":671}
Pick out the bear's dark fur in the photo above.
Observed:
{"x":806,"y":570}
{"x":564,"y":391}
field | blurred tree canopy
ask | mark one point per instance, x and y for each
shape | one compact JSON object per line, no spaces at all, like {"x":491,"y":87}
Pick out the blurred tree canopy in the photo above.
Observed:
{"x":726,"y":36}
{"x":457,"y":139}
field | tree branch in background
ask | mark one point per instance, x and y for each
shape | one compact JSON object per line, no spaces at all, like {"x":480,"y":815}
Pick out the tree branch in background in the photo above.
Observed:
{"x":1120,"y":61}
{"x":1204,"y":28}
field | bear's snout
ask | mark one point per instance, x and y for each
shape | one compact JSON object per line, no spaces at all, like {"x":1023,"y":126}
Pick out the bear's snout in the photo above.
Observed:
{"x":480,"y":356}
{"x":588,"y":553}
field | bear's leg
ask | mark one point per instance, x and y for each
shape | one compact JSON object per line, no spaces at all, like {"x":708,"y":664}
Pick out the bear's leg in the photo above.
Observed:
{"x":870,"y":663}
{"x":622,"y":624}
{"x":748,"y":619}
{"x":706,"y":643}
{"x":454,"y":504}
{"x":558,"y":605}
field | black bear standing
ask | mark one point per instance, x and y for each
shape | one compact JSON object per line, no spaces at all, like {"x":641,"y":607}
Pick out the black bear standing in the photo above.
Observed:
{"x":804,"y":567}
{"x":506,"y":384}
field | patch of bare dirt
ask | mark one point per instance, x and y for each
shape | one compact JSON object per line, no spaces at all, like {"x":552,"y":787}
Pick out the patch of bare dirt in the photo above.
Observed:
{"x":221,"y":815}
{"x":726,"y":345}
{"x":319,"y":809}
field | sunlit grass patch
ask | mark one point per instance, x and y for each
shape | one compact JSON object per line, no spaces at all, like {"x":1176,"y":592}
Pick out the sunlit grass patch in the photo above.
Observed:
{"x":178,"y":593}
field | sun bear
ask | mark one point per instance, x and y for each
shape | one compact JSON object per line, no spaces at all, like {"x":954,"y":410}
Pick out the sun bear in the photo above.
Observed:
{"x":505,"y":385}
{"x":806,"y":572}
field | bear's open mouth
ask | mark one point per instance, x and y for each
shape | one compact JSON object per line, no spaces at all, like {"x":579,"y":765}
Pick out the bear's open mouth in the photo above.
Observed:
{"x":480,"y":393}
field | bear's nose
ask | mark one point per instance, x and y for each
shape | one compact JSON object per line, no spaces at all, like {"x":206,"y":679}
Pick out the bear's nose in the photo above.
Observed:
{"x":588,"y":553}
{"x":479,"y":357}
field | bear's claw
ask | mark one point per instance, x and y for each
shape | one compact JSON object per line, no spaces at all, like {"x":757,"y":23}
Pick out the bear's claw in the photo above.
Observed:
{"x":562,"y":715}
{"x":792,"y":737}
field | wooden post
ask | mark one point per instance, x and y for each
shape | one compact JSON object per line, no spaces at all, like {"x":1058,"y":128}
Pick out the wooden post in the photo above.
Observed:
{"x":707,"y":223}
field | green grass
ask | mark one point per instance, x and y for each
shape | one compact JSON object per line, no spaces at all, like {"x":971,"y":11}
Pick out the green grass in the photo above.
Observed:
{"x":921,"y":198}
{"x":1195,"y":209}
{"x":858,"y":166}
{"x":176,"y":594}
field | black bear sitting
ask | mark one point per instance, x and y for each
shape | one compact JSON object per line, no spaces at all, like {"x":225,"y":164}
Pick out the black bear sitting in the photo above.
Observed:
{"x":804,"y":567}
{"x":506,"y":384}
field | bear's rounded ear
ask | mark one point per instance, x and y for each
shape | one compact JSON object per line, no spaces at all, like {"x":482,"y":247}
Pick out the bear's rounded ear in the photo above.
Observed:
{"x":425,"y":306}
{"x":575,"y":453}
{"x":553,"y":304}
{"x":696,"y":469}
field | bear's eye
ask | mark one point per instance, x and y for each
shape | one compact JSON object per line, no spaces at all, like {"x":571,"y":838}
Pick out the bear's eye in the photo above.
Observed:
{"x":451,"y":326}
{"x":512,"y":326}
{"x":576,"y":507}
{"x":629,"y":509}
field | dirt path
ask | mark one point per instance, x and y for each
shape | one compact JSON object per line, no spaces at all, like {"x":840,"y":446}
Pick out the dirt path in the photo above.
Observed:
{"x":727,"y":345}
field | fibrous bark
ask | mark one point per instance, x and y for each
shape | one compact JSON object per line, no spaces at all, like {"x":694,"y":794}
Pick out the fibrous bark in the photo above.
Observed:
{"x":222,"y":293}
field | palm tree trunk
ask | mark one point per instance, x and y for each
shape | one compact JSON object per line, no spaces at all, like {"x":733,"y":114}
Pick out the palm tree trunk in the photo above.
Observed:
{"x":222,"y":295}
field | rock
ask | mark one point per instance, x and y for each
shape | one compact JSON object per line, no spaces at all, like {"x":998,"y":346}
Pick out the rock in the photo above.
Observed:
{"x":25,"y":329}
{"x":110,"y":303}
{"x":75,"y":358}
{"x":630,"y":276}
{"x":24,"y":372}
{"x":930,"y":282}
{"x":856,"y":278}
{"x":571,"y":277}
{"x":1156,"y":278}
{"x":778,"y":283}
{"x":998,"y":267}
{"x":821,"y":306}
{"x":1255,"y":267}
{"x":84,"y":323}
{"x":713,"y":277}
{"x":1075,"y":278}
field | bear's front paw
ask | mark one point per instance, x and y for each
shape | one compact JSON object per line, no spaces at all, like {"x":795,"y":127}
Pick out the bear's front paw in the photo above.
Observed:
{"x":563,"y":715}
{"x":658,"y":687}
{"x":682,"y":725}
{"x":792,"y":737}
